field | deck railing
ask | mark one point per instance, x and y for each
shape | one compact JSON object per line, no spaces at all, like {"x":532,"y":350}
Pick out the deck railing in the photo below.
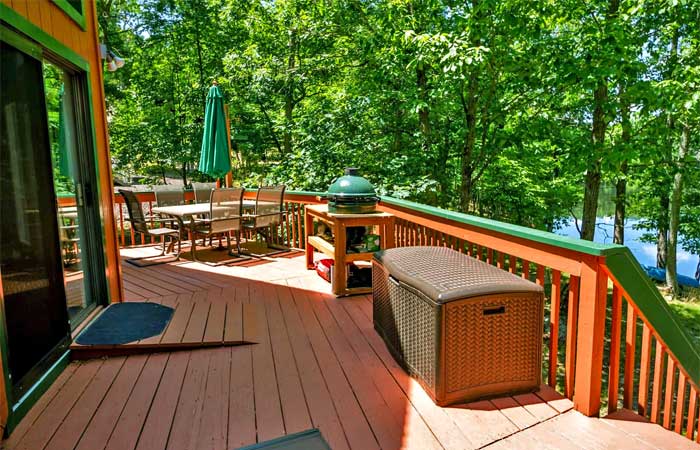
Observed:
{"x":602,"y":308}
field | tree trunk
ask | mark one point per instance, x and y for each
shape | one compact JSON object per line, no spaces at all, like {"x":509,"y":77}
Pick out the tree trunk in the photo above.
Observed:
{"x":593,"y":174}
{"x":675,"y":212}
{"x":184,"y":173}
{"x":662,"y":236}
{"x":467,"y":167}
{"x":289,"y":94}
{"x":600,"y":125}
{"x":621,"y":185}
{"x":424,"y":111}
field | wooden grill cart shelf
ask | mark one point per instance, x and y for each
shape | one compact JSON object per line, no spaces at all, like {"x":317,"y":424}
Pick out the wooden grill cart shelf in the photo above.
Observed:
{"x":338,"y":224}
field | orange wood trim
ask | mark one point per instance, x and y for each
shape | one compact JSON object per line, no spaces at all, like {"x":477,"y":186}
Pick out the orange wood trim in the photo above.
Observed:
{"x":557,"y":258}
{"x":656,"y":384}
{"x":670,"y":388}
{"x":644,"y":371}
{"x":571,"y":327}
{"x":614,"y":361}
{"x":539,"y":278}
{"x":692,"y":406}
{"x":590,"y":339}
{"x":554,"y":311}
{"x":680,"y":403}
{"x":630,"y":350}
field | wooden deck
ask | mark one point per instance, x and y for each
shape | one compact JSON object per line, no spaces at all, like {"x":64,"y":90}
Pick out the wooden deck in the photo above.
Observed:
{"x":319,"y":363}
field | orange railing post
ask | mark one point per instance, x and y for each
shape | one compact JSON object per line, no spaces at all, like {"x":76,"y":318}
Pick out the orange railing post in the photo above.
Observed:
{"x":590,"y":337}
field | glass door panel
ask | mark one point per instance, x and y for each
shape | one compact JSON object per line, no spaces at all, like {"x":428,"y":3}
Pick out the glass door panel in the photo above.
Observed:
{"x":30,"y":250}
{"x":66,"y":181}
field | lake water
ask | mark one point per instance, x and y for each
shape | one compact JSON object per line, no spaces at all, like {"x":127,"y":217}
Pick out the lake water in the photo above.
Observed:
{"x":644,"y":252}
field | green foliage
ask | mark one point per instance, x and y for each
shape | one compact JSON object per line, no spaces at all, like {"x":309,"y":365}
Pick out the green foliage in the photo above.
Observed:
{"x":484,"y":106}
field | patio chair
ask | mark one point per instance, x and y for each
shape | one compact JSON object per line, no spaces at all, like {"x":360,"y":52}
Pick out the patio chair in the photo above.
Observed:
{"x":168,"y":195}
{"x":139,"y":224}
{"x":202,"y":191}
{"x":269,"y":213}
{"x":224,"y":217}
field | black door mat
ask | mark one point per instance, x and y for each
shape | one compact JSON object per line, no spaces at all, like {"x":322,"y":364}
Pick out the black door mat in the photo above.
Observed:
{"x":121,"y":323}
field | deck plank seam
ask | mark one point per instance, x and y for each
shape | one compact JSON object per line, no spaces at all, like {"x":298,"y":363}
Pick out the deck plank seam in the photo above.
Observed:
{"x":87,"y":424}
{"x":150,"y":404}
{"x":319,"y":301}
{"x":306,"y":341}
{"x":70,"y":408}
{"x":298,"y":297}
{"x":125,"y":402}
{"x":406,"y":394}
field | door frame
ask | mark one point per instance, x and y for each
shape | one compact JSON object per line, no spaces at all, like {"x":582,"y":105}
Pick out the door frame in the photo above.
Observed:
{"x":27,"y":37}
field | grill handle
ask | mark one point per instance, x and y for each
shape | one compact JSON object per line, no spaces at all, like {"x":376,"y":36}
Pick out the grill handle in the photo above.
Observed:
{"x":494,"y":310}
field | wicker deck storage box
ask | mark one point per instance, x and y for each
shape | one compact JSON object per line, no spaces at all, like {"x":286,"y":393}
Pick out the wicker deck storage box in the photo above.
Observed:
{"x":463,"y":328}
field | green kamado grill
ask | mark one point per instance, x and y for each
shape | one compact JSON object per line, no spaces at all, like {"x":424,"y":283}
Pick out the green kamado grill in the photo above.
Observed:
{"x":351,"y":194}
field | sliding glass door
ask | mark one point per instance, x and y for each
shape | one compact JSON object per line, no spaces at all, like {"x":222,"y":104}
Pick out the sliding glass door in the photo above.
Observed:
{"x":66,"y":174}
{"x":30,"y":251}
{"x":52,"y":267}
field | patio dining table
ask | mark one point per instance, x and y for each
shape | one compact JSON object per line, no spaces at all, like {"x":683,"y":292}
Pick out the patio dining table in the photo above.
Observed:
{"x":182,"y":212}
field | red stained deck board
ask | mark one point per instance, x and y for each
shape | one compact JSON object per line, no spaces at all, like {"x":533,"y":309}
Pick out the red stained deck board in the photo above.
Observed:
{"x":188,"y":414}
{"x":436,"y":418}
{"x":233,"y":324}
{"x":241,"y":415}
{"x":214,"y":331}
{"x":155,"y":431}
{"x":481,"y":422}
{"x":213,"y":430}
{"x":126,"y":432}
{"x":413,"y":427}
{"x":515,"y":413}
{"x":536,"y":406}
{"x":319,"y":401}
{"x":72,"y":427}
{"x":554,"y":399}
{"x":294,"y":410}
{"x":50,"y":419}
{"x":26,"y":424}
{"x":198,"y":321}
{"x":103,"y":422}
{"x":330,"y":368}
{"x":357,"y":430}
{"x":178,"y":324}
{"x":268,"y":412}
{"x":630,"y":423}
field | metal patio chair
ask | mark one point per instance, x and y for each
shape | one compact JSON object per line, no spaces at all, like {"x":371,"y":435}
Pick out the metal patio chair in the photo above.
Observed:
{"x":202,"y":191}
{"x":269,"y":213}
{"x":168,"y":195}
{"x":139,"y":224}
{"x":225,"y":208}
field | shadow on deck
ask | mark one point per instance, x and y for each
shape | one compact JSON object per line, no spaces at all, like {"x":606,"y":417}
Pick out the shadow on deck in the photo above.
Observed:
{"x":318,"y":363}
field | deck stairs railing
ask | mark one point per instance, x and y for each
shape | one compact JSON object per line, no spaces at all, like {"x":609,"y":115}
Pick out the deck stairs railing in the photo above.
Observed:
{"x":611,"y":340}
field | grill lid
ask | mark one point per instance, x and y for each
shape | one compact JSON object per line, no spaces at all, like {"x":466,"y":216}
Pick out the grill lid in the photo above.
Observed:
{"x":352,"y":186}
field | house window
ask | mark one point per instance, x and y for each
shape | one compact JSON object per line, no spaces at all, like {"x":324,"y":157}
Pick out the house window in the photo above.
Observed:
{"x":75,"y":9}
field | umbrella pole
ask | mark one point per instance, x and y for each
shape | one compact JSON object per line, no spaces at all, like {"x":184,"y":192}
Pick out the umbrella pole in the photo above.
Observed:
{"x":229,"y":175}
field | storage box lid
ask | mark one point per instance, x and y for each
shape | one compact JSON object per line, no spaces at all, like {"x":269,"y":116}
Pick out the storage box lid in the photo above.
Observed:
{"x":445,"y":275}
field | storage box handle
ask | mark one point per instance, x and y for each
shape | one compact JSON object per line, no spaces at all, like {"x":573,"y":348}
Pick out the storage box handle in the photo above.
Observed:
{"x":493,"y":310}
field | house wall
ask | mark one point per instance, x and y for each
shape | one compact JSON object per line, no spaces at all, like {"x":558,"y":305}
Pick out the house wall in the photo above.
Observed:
{"x":50,"y":18}
{"x":46,"y":15}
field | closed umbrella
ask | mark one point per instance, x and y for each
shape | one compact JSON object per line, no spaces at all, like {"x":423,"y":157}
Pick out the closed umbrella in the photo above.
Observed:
{"x":65,"y":165}
{"x":215,"y":159}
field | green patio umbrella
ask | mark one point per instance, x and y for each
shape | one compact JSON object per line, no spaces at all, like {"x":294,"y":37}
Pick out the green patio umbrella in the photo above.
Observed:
{"x":65,"y":165}
{"x":215,"y":159}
